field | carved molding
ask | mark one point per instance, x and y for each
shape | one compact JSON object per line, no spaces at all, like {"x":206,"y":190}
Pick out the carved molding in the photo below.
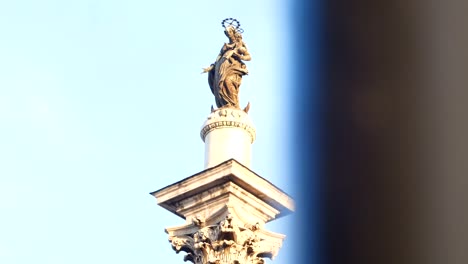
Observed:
{"x":225,"y":209}
{"x":228,"y":195}
{"x":228,"y":118}
{"x":228,"y":242}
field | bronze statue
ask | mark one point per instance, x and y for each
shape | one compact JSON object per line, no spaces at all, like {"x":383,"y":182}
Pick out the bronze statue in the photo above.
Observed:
{"x":225,"y":74}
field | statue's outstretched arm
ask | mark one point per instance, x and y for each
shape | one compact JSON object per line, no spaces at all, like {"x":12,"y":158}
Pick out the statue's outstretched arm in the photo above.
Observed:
{"x":208,"y":69}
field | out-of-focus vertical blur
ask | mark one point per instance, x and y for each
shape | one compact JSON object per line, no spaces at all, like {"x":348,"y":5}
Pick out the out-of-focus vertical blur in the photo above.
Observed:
{"x":390,"y":138}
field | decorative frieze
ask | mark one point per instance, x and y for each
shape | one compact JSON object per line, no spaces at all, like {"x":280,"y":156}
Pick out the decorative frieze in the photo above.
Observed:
{"x":228,"y":118}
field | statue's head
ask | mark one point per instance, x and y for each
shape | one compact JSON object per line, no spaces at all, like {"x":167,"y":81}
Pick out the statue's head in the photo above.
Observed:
{"x":230,"y":32}
{"x":232,"y":29}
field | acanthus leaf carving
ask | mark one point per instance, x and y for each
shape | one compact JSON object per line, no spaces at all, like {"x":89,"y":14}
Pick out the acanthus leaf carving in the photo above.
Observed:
{"x":227,"y":242}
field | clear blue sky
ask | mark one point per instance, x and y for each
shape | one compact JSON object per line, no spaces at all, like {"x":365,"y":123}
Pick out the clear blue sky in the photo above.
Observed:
{"x":101,"y":102}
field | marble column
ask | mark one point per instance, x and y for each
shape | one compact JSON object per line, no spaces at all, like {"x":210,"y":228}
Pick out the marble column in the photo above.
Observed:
{"x":226,"y":205}
{"x":228,"y":134}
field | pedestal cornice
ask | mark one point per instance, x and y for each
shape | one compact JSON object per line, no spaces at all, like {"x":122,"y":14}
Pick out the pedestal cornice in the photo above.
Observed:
{"x":226,"y":208}
{"x":230,"y":170}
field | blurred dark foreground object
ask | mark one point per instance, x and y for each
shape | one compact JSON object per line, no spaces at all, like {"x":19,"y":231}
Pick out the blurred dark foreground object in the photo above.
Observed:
{"x":391,"y":147}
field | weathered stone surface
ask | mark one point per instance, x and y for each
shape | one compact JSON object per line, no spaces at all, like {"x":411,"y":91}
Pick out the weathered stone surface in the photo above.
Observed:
{"x":226,"y":208}
{"x":228,"y":241}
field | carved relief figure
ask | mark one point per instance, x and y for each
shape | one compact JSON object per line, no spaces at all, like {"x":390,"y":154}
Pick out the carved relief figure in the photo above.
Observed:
{"x":225,"y":74}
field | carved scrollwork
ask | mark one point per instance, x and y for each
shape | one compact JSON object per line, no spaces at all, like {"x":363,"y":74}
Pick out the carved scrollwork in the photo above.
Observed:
{"x":225,"y":243}
{"x":186,"y":244}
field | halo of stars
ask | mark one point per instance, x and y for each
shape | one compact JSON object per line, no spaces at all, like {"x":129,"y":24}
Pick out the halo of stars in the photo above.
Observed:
{"x":233,"y":23}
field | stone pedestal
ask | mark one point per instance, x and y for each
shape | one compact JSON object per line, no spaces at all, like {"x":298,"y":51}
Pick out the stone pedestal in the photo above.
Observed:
{"x":225,"y":208}
{"x":228,"y":134}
